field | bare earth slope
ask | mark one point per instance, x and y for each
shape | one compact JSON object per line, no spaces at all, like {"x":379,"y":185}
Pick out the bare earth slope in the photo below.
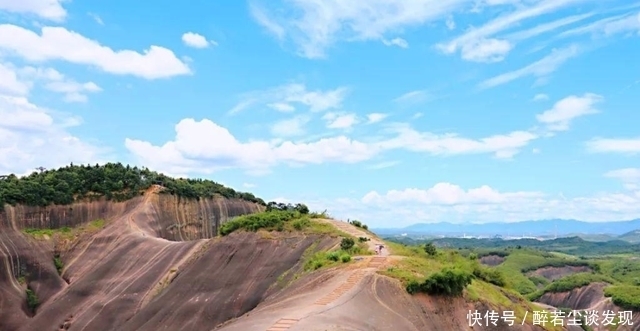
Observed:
{"x":357,"y":298}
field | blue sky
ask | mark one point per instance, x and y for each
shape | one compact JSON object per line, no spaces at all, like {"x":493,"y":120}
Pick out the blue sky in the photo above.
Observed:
{"x":393,"y":112}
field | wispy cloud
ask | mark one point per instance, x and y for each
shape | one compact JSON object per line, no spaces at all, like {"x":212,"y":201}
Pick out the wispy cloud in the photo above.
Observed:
{"x":413,"y":97}
{"x":383,"y":165}
{"x":540,"y":68}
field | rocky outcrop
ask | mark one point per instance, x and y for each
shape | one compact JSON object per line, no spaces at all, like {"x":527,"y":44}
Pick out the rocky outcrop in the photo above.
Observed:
{"x":553,"y":273}
{"x":590,"y":297}
{"x":111,"y":273}
{"x":172,"y":218}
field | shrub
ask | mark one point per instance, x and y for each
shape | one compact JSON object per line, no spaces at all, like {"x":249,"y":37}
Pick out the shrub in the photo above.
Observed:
{"x":345,"y":258}
{"x":58,"y":263}
{"x":449,"y":282}
{"x":430,"y":249}
{"x":347,"y":243}
{"x":624,"y":296}
{"x":489,"y":275}
{"x":333,"y":256}
{"x":363,"y":239}
{"x":301,"y":223}
{"x":269,"y":220}
{"x":364,"y":226}
{"x":473,"y":256}
{"x":32,"y":300}
{"x":356,"y":223}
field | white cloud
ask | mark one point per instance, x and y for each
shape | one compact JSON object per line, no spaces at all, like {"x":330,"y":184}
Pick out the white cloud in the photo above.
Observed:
{"x":248,"y":185}
{"x":502,"y":146}
{"x":290,"y":127}
{"x":564,"y":111}
{"x":195,"y":40}
{"x":608,"y":26}
{"x":447,"y":202}
{"x":630,"y":177}
{"x":282,"y":107}
{"x":540,"y":68}
{"x":205,"y":147}
{"x":96,"y":18}
{"x":384,"y":165}
{"x":261,"y":17}
{"x":31,"y":136}
{"x":413,"y":97}
{"x":451,"y":24}
{"x":446,"y":194}
{"x":53,"y":80}
{"x":396,"y":42}
{"x":48,"y":9}
{"x":535,"y":151}
{"x":417,"y":115}
{"x":10,"y":82}
{"x":547,"y":27}
{"x":313,"y":26}
{"x":281,"y":97}
{"x":58,"y":43}
{"x":477,"y":43}
{"x":614,"y":145}
{"x":340,"y":121}
{"x":540,"y":97}
{"x":486,"y":50}
{"x":376,"y":117}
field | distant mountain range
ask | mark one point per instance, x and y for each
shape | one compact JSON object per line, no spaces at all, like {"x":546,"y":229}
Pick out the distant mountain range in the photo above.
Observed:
{"x":556,"y":227}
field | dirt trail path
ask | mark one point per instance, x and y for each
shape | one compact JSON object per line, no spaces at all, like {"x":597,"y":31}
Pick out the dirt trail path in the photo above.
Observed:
{"x":323,"y":300}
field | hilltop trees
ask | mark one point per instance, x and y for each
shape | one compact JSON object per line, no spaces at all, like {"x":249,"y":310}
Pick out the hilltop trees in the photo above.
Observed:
{"x":299,"y":207}
{"x":113,"y":181}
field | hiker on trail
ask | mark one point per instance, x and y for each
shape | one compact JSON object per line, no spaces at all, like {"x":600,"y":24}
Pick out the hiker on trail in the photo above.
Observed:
{"x":381,"y":247}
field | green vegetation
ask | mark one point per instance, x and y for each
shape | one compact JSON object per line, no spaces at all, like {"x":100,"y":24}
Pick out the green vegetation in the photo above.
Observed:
{"x":65,"y":232}
{"x":268,"y":220}
{"x":450,"y":282}
{"x":58,"y":263}
{"x":489,"y":275}
{"x":359,"y":224}
{"x":569,"y":283}
{"x":32,"y":300}
{"x":113,"y":181}
{"x":347,"y":243}
{"x":625,"y":296}
{"x":430,"y":249}
{"x":326,"y":259}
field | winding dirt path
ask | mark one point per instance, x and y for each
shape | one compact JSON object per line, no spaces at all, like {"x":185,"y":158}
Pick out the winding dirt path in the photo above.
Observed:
{"x":373,"y":264}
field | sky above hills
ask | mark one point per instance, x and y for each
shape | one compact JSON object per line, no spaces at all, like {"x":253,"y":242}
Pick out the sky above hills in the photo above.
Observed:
{"x":390,"y":111}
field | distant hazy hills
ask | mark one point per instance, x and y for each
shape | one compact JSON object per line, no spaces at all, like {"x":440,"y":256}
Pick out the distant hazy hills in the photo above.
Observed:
{"x":558,"y":227}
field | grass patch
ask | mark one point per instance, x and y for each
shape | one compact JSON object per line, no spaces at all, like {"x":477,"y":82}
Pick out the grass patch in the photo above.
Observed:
{"x":448,"y":282}
{"x":65,"y":232}
{"x":327,"y":259}
{"x":625,"y":296}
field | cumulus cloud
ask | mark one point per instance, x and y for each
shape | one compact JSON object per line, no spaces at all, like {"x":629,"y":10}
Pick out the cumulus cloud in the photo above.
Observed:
{"x":204,"y":147}
{"x":58,"y":43}
{"x":340,"y":121}
{"x":31,"y":136}
{"x":614,"y":145}
{"x":564,"y":111}
{"x":630,"y":177}
{"x":195,"y":40}
{"x":280,"y":98}
{"x":376,"y":117}
{"x":448,"y":202}
{"x":47,"y":9}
